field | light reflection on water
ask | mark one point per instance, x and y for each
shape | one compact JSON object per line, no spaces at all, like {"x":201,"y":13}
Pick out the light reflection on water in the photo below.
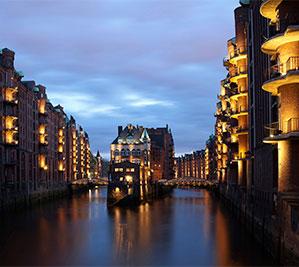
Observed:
{"x":187,"y":228}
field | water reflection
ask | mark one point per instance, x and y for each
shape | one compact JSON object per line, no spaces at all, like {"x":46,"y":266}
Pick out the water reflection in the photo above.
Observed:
{"x":187,"y":228}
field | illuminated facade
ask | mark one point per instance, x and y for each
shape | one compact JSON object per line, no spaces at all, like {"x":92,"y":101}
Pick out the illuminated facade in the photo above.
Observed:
{"x":211,"y":159}
{"x":257,"y":125}
{"x":238,"y":77}
{"x":133,"y":144}
{"x":282,"y":46}
{"x":222,"y":132}
{"x":34,"y":139}
{"x":190,"y":165}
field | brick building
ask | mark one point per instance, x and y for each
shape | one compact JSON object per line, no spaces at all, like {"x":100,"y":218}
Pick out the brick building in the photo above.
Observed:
{"x":190,"y":165}
{"x":162,"y":153}
{"x":35,"y":145}
{"x":257,"y":122}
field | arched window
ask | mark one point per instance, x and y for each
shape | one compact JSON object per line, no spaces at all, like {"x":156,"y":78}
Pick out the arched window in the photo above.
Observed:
{"x":123,"y":152}
{"x":116,"y":152}
{"x":128,"y":152}
{"x":138,"y":152}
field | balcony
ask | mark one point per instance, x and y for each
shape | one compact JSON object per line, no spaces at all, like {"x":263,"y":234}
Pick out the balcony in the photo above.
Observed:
{"x":42,"y":107}
{"x":238,"y":94}
{"x":43,"y":139}
{"x":282,"y":74}
{"x":10,"y":123}
{"x":238,"y":74}
{"x":10,"y":96}
{"x":271,"y":46}
{"x":238,"y":55}
{"x":241,"y":111}
{"x":275,"y":133}
{"x":268,"y":9}
{"x":10,"y":137}
{"x":60,"y":148}
{"x":226,"y":62}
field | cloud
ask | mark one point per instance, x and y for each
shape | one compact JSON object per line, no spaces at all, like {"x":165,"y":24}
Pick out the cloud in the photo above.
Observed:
{"x":111,"y":62}
{"x":139,"y":101}
{"x":84,"y":105}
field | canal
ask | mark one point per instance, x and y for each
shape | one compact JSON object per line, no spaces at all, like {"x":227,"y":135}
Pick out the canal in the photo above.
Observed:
{"x":190,"y":227}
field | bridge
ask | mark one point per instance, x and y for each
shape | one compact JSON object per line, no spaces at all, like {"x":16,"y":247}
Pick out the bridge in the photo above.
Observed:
{"x":178,"y":182}
{"x":91,"y":182}
{"x":190,"y":182}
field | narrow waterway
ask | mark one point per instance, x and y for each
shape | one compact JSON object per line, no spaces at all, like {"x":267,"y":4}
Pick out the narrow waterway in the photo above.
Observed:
{"x":189,"y":227}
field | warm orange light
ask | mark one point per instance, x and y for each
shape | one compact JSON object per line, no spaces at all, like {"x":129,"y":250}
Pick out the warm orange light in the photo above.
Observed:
{"x":10,"y":122}
{"x":10,"y":137}
{"x":60,"y":165}
{"x":60,"y":148}
{"x":10,"y":94}
{"x":42,"y":139}
{"x":42,"y":106}
{"x":42,"y":161}
{"x":42,"y":129}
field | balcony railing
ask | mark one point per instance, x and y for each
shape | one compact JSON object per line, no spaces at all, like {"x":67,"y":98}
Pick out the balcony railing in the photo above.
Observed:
{"x":237,"y":52}
{"x":226,"y":61}
{"x":293,"y":125}
{"x":10,"y":96}
{"x":292,"y":64}
{"x":272,"y":129}
{"x":278,"y":70}
{"x":10,"y":137}
{"x":239,"y":110}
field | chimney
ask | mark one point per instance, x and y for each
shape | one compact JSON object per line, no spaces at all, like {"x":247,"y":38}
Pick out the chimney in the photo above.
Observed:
{"x":120,"y":128}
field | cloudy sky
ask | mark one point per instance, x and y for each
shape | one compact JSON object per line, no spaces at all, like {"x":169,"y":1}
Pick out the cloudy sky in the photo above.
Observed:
{"x":114,"y":62}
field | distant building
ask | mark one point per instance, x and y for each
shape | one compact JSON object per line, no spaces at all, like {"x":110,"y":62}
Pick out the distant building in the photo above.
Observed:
{"x":162,"y":153}
{"x":210,"y":159}
{"x":133,"y":144}
{"x":190,"y":165}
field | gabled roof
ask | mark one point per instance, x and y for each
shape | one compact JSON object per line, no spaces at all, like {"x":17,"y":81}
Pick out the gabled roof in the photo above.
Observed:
{"x":132,"y":135}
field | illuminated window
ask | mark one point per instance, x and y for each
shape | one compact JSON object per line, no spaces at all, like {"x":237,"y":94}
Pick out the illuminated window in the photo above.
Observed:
{"x":129,"y":179}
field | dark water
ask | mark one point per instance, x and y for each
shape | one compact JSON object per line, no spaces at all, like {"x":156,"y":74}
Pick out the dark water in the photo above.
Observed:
{"x":188,"y":228}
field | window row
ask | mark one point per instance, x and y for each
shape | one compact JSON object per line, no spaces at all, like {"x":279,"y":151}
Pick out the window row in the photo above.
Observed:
{"x":127,"y":152}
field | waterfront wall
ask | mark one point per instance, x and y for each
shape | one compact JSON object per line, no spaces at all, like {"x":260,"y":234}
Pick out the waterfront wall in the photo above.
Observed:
{"x":274,"y":231}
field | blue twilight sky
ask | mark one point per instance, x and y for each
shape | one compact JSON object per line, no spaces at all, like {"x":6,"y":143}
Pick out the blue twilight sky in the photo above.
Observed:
{"x":114,"y":62}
